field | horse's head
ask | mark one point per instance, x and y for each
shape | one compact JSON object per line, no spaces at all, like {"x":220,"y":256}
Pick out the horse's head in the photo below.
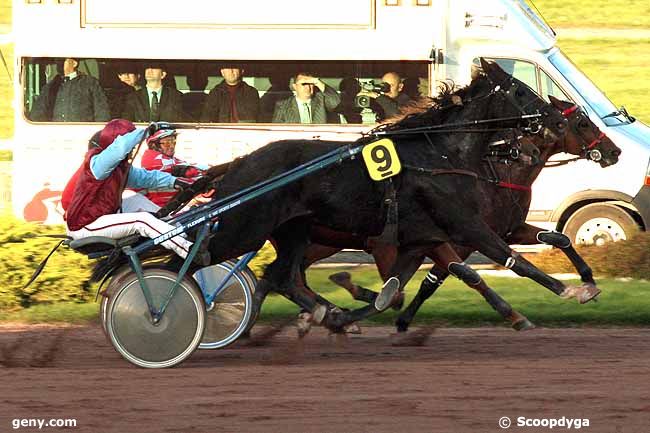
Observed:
{"x":583,"y":138}
{"x":537,"y":116}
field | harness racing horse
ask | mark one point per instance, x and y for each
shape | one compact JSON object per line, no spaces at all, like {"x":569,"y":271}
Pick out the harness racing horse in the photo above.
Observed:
{"x":506,"y":194}
{"x":437,"y":193}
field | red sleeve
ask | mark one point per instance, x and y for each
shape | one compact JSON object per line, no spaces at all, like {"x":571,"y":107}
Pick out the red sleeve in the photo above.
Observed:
{"x":68,"y":191}
{"x":150,"y":160}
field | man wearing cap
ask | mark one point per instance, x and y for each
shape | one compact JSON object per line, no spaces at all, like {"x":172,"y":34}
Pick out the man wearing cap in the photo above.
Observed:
{"x":73,"y":97}
{"x":154,"y":102}
{"x":104,"y":173}
{"x":232,"y":100}
{"x":160,"y":156}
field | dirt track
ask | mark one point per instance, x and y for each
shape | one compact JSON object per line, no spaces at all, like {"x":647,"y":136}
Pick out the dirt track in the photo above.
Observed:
{"x":459,"y":380}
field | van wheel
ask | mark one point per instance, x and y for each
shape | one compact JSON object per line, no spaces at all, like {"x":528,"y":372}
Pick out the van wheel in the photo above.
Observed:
{"x":600,"y":223}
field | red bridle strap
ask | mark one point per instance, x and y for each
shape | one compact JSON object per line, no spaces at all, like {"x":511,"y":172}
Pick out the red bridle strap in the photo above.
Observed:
{"x":597,"y":141}
{"x":514,"y":186}
{"x":569,"y":111}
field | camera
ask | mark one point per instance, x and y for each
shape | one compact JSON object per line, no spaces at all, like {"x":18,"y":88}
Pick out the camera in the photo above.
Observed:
{"x":363,"y":101}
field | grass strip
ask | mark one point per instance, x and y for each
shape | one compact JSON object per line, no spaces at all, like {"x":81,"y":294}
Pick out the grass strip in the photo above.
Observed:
{"x":622,"y":303}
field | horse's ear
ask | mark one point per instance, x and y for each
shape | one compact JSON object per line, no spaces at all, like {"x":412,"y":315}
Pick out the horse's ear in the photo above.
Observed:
{"x":556,"y":102}
{"x":494,"y":71}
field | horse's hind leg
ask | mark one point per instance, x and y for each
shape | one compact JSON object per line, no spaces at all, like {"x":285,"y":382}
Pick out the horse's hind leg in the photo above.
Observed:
{"x":385,"y":256}
{"x":406,"y":265}
{"x":528,"y":234}
{"x":429,"y":285}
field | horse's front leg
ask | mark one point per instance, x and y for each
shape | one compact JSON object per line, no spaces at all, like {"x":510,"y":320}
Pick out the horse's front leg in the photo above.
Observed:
{"x":528,"y":234}
{"x":465,"y":227}
{"x":445,"y":256}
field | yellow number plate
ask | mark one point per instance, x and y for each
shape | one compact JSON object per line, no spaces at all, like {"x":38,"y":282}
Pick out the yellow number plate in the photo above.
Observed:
{"x":381,"y":159}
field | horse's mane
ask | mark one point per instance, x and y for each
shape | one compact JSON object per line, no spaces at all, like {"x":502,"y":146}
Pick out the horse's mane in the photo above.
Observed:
{"x":432,"y":111}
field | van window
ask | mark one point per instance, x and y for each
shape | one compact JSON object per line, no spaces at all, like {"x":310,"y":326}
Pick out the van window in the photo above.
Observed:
{"x":188,"y":84}
{"x":550,"y":88}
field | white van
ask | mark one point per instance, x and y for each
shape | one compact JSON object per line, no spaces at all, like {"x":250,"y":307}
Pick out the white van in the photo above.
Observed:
{"x":343,"y":42}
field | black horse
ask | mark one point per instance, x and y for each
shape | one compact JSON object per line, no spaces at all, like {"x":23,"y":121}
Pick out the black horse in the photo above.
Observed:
{"x":510,"y":167}
{"x":437,"y":191}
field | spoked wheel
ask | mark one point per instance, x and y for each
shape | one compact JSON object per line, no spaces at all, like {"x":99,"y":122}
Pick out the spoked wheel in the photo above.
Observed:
{"x":228,"y":315}
{"x":173,"y":338}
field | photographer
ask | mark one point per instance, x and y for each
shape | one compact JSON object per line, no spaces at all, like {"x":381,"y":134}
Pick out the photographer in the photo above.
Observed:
{"x":386,"y":103}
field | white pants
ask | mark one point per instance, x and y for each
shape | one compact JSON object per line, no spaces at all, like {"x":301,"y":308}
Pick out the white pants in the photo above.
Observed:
{"x":119,"y":225}
{"x":135,"y":202}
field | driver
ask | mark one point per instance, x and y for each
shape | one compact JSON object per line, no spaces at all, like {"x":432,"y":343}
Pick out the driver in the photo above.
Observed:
{"x":97,"y":198}
{"x":160,"y":156}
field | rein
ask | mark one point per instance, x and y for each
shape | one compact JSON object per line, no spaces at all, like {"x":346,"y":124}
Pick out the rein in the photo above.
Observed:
{"x":454,"y":127}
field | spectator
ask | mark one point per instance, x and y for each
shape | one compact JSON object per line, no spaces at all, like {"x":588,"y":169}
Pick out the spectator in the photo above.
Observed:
{"x":73,"y":97}
{"x":98,"y":187}
{"x":388,"y":104}
{"x":232,"y":100}
{"x":160,"y":156}
{"x":128,"y":81}
{"x":154,"y":102}
{"x":307,"y":106}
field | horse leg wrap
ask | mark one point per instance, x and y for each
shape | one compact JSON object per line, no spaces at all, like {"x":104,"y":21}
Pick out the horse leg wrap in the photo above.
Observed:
{"x":463,"y":272}
{"x":496,"y":302}
{"x":556,"y":239}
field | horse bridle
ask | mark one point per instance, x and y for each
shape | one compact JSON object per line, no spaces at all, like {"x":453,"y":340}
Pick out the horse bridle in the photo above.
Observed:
{"x":589,"y":151}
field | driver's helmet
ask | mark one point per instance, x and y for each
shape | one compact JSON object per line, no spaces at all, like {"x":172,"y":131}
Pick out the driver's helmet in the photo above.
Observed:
{"x":154,"y":139}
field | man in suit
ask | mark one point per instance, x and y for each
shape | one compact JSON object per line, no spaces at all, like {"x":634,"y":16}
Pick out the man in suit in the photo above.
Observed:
{"x":307,"y":106}
{"x":71,"y":97}
{"x":154,"y":102}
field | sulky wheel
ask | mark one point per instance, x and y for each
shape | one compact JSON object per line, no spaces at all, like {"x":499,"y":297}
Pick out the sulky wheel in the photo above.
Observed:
{"x":110,"y":289}
{"x":173,"y":338}
{"x":228,"y":315}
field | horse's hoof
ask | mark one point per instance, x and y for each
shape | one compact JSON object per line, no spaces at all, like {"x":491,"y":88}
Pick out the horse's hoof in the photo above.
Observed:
{"x":419,"y":337}
{"x":523,"y":325}
{"x":303,"y":324}
{"x":589,"y":293}
{"x":401,"y":325}
{"x":570,"y":292}
{"x":387,"y":297}
{"x":352,"y":328}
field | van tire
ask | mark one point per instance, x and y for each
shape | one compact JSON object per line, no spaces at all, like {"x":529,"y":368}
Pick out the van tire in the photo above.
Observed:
{"x":600,"y":223}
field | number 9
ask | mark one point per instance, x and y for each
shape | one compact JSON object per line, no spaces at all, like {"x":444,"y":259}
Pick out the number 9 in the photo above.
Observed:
{"x":381,"y":155}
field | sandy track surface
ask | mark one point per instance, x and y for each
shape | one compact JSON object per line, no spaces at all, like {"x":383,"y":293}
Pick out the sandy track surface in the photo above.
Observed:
{"x":456,"y":380}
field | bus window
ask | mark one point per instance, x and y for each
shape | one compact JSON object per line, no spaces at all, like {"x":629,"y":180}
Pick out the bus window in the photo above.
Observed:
{"x":197,"y":91}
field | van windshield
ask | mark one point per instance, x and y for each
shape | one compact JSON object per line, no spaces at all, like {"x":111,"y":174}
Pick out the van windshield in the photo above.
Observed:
{"x":596,"y":99}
